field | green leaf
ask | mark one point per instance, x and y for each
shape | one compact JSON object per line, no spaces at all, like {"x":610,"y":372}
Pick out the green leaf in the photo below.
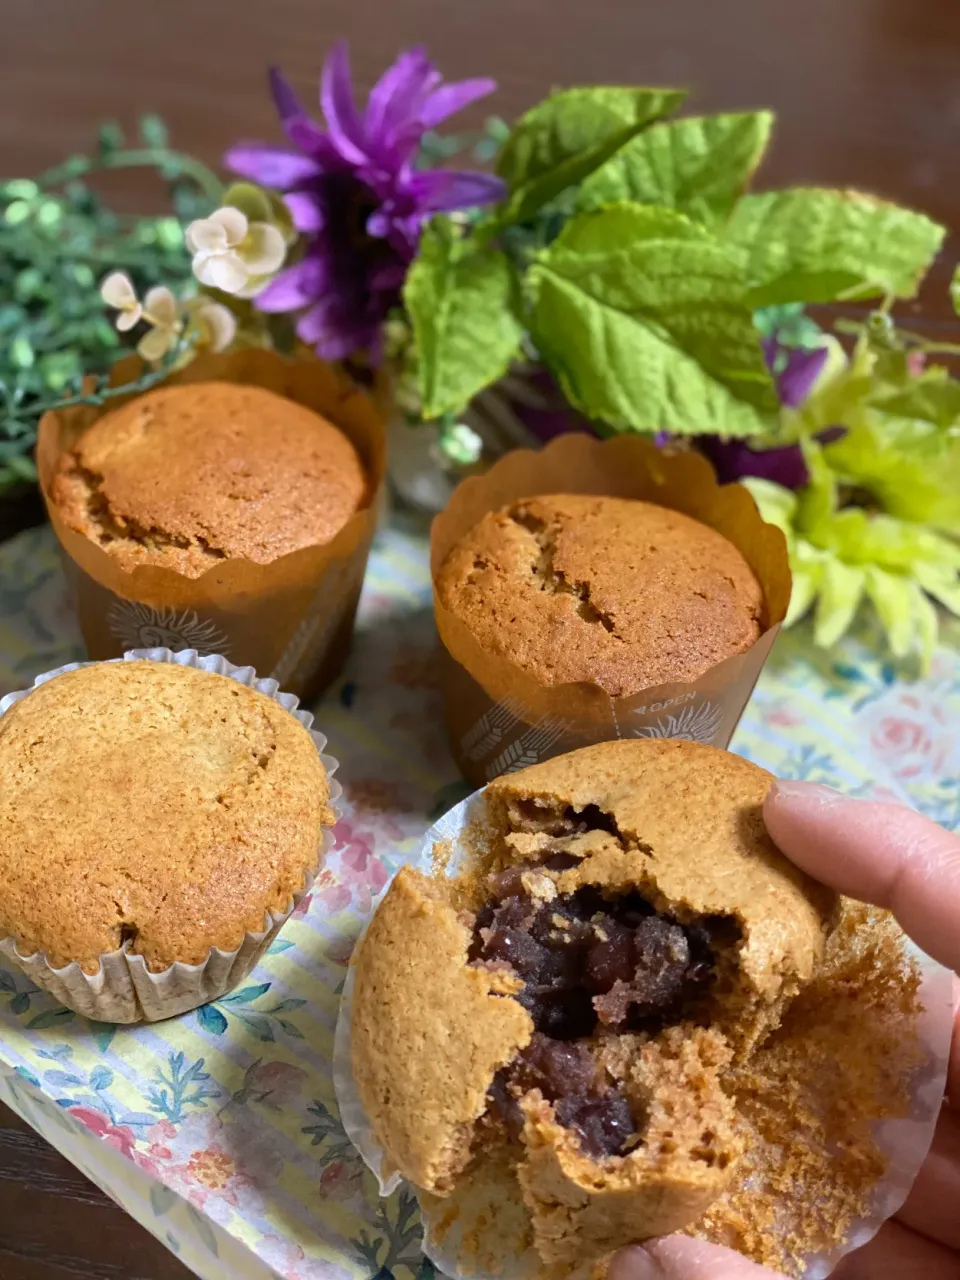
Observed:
{"x":571,"y":133}
{"x":153,"y":131}
{"x":640,"y":313}
{"x":841,"y":590}
{"x":894,"y":598}
{"x":51,"y":1018}
{"x":110,"y":138}
{"x":815,"y":245}
{"x":462,"y":306}
{"x":700,"y":165}
{"x":932,"y":399}
{"x":955,"y":290}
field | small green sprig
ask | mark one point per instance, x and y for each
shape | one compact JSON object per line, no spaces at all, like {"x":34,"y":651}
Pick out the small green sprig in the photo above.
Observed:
{"x":58,"y":239}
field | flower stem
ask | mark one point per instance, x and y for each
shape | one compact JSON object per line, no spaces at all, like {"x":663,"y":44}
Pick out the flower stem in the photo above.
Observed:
{"x":136,"y":158}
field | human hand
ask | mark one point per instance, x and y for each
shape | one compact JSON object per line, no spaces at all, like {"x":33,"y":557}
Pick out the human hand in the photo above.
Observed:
{"x":893,"y":857}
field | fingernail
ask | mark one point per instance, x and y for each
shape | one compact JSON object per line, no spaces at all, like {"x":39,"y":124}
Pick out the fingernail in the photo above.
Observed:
{"x":789,"y":790}
{"x":634,"y":1263}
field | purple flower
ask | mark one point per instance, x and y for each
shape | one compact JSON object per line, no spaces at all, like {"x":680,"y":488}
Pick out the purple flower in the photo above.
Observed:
{"x":796,"y":370}
{"x":356,"y":196}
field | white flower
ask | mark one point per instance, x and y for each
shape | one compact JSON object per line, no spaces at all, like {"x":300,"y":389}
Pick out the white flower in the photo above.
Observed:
{"x":118,"y":292}
{"x":161,"y":313}
{"x":215,"y":324}
{"x":233,"y":254}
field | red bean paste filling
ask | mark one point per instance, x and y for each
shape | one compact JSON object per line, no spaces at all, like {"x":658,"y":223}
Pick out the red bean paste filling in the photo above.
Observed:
{"x":589,"y":964}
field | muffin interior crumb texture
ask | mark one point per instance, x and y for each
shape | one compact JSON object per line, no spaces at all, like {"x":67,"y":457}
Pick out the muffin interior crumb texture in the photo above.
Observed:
{"x":152,"y":806}
{"x":616,"y":592}
{"x":185,"y":477}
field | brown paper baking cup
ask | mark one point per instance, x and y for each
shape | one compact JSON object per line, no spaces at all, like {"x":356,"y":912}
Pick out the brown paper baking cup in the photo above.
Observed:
{"x":499,"y":717}
{"x":291,"y":618}
{"x":123,"y":989}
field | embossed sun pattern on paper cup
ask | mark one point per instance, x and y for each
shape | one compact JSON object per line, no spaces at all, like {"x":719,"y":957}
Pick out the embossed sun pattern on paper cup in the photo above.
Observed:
{"x":500,"y":717}
{"x":291,"y":618}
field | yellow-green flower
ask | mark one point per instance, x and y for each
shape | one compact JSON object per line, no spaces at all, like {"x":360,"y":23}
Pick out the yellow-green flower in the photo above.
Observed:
{"x":844,"y":554}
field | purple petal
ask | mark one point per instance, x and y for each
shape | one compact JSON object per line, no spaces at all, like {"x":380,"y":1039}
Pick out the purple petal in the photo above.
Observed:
{"x":799,"y":374}
{"x":830,"y":435}
{"x":334,"y":337}
{"x":299,"y":128}
{"x":339,"y":108}
{"x":313,"y":324}
{"x":440,"y":190}
{"x":270,"y":166}
{"x":296,"y":287}
{"x":451,"y":98}
{"x":732,"y":460}
{"x":387,"y":277}
{"x":400,"y":84}
{"x":306,"y":210}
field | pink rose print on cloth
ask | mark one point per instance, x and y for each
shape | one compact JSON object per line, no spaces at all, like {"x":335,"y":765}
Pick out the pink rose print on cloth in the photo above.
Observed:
{"x":910,"y":735}
{"x":356,"y":875}
{"x":121,"y":1138}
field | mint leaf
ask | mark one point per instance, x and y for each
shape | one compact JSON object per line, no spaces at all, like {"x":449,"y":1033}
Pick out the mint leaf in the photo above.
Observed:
{"x":570,"y":134}
{"x":700,"y":165}
{"x":641,"y":315}
{"x":460,"y":300}
{"x":814,"y":245}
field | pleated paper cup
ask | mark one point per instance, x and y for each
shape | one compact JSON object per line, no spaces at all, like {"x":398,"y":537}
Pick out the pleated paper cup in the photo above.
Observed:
{"x":499,"y":716}
{"x":475,"y":1233}
{"x":123,"y":989}
{"x":291,"y":618}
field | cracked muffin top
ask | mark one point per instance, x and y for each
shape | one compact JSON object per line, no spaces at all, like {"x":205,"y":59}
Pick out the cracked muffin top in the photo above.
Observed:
{"x":185,"y":477}
{"x":153,"y":806}
{"x":611,"y":591}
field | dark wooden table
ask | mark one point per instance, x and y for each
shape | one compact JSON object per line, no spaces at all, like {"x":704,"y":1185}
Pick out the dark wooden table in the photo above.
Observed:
{"x":867,"y":93}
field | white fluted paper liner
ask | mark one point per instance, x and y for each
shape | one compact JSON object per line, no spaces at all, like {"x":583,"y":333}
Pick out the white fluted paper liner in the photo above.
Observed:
{"x":451,"y":1225}
{"x":124,"y":990}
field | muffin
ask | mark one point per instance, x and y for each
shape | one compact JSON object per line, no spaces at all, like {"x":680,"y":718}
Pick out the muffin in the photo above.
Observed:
{"x":188,"y":476}
{"x":615,"y":592}
{"x":555,"y":1021}
{"x":154,"y":813}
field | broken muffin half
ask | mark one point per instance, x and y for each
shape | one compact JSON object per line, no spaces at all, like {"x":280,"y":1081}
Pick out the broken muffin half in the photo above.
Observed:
{"x":564,"y":1006}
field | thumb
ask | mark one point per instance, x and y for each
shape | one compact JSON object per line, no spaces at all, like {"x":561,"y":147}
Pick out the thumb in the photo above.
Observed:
{"x":880,"y":853}
{"x":681,"y":1258}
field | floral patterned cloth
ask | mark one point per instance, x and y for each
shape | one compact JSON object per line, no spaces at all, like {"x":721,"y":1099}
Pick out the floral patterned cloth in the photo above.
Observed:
{"x":218,"y":1130}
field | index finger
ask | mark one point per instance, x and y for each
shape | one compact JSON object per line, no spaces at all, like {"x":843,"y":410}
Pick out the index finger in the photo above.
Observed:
{"x":886,"y":854}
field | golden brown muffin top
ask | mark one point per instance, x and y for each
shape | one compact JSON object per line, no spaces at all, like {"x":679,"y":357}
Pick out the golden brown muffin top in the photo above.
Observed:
{"x":154,"y":805}
{"x":680,"y":824}
{"x":187,"y":476}
{"x":611,"y":591}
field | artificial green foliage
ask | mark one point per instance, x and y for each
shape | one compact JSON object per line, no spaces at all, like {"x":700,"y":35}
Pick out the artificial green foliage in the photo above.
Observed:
{"x":661,"y":329}
{"x":464,"y":319}
{"x":636,"y":305}
{"x":58,"y":240}
{"x":699,"y":165}
{"x":814,"y":245}
{"x":872,"y":528}
{"x":569,"y":135}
